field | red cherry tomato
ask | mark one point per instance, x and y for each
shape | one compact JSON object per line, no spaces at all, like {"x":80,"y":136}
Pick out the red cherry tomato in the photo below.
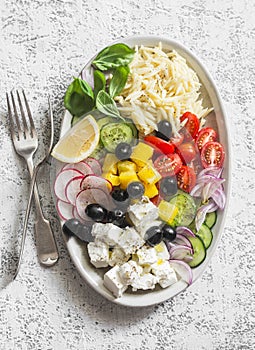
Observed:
{"x":155,"y":200}
{"x":164,"y":146}
{"x":205,"y":135}
{"x":186,"y":178}
{"x":168,"y":165}
{"x":212,"y":154}
{"x":177,"y":140}
{"x":187,"y":152}
{"x":191,"y":126}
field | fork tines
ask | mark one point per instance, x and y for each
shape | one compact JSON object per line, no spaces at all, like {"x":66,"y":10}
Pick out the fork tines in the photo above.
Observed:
{"x":25,"y":131}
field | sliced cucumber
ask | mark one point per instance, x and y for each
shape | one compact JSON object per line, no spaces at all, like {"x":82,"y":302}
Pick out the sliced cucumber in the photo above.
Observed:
{"x":99,"y":152}
{"x":114,"y":133}
{"x":186,"y":209}
{"x":199,"y":251}
{"x":206,"y":235}
{"x":104,"y":121}
{"x":211,"y":219}
{"x":134,"y":129}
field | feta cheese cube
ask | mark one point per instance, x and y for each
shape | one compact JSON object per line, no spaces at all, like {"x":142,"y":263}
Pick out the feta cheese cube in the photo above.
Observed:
{"x":118,"y":256}
{"x":130,"y":240}
{"x":142,"y":212}
{"x":165,"y":273}
{"x":98,"y":253}
{"x":162,"y":251}
{"x":130,"y":271}
{"x":146,"y":255}
{"x":107,"y":233}
{"x":114,"y":283}
{"x":146,"y":281}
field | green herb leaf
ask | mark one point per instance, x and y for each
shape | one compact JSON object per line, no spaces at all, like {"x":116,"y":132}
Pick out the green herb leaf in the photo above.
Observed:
{"x":99,"y":82}
{"x":118,"y":80}
{"x":79,"y":97}
{"x":106,"y":104}
{"x":114,"y":56}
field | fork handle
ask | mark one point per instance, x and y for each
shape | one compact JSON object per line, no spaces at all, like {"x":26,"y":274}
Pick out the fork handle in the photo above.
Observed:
{"x":45,"y":241}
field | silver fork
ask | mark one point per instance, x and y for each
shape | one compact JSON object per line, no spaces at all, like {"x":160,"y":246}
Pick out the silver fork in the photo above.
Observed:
{"x":25,"y":143}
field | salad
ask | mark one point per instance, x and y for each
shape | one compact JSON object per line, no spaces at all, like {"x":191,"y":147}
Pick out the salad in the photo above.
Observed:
{"x":140,"y":181}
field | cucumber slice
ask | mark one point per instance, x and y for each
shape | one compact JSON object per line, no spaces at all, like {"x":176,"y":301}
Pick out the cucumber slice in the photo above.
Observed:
{"x":99,"y":152}
{"x":134,"y":130}
{"x":199,"y":251}
{"x":186,"y":209}
{"x":104,"y":121}
{"x":211,"y":219}
{"x":206,"y":235}
{"x":114,"y":133}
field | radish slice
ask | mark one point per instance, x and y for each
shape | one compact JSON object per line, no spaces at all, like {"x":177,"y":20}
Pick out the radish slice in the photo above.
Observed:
{"x":181,"y":252}
{"x":95,"y":165}
{"x":94,"y":181}
{"x":65,"y":210}
{"x":182,"y":269}
{"x":185,"y":231}
{"x":61,"y":181}
{"x":73,"y":188}
{"x":91,"y":196}
{"x":83,"y":167}
{"x":76,"y":215}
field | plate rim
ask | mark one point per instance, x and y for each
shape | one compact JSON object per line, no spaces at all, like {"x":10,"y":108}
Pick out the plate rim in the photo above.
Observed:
{"x":181,"y":285}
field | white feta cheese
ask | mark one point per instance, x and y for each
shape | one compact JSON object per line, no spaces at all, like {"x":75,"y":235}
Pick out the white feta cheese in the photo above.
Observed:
{"x":130,"y":240}
{"x":165,"y":273}
{"x":142,"y":212}
{"x":107,"y":233}
{"x":146,"y":281}
{"x":146,"y":255}
{"x":130,"y":271}
{"x":162,"y":251}
{"x":114,"y":283}
{"x":143,"y":227}
{"x":98,"y":253}
{"x":118,"y":257}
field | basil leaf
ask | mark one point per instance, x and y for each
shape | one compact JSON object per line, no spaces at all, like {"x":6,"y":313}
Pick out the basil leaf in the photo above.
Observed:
{"x":79,"y":97}
{"x":114,"y":56}
{"x":106,"y":105}
{"x":99,"y":82}
{"x":118,"y":80}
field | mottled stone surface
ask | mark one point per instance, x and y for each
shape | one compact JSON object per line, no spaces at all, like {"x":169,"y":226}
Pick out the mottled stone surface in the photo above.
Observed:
{"x":42,"y":45}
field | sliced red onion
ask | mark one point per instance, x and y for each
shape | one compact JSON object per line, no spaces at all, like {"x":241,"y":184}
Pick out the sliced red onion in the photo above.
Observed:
{"x":87,"y":74}
{"x":183,"y":270}
{"x":219,"y":198}
{"x":210,"y":188}
{"x":182,"y":240}
{"x":180,"y":252}
{"x":201,"y":213}
{"x":215,"y":171}
{"x":197,"y":190}
{"x":185,"y":231}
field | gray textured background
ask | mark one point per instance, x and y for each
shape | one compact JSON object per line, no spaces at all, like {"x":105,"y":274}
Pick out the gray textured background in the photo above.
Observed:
{"x":42,"y":45}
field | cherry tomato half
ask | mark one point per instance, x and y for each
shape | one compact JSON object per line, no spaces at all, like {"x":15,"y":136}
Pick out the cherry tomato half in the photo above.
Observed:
{"x":164,"y":146}
{"x":205,"y":135}
{"x":186,"y":178}
{"x":187,"y":152}
{"x":212,"y":154}
{"x":191,"y":126}
{"x":168,"y":165}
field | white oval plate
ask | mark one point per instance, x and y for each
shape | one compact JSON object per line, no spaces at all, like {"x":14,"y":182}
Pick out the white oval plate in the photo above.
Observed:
{"x":210,"y":95}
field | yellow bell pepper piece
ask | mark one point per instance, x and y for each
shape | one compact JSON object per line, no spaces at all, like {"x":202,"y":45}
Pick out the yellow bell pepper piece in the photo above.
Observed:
{"x":126,"y":165}
{"x":150,"y":190}
{"x":126,"y":178}
{"x":149,"y":175}
{"x":167,"y":211}
{"x":110,"y":164}
{"x":141,"y":153}
{"x":114,"y":179}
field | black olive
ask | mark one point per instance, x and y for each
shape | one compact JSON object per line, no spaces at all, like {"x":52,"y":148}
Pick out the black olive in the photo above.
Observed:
{"x":96,"y":212}
{"x":123,"y":151}
{"x":153,"y":235}
{"x":135,"y":189}
{"x":164,"y":130}
{"x":169,"y":233}
{"x":168,"y":186}
{"x":75,"y":227}
{"x":116,"y":216}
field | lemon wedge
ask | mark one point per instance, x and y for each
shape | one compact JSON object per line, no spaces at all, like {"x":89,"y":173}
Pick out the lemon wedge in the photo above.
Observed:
{"x":79,"y":142}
